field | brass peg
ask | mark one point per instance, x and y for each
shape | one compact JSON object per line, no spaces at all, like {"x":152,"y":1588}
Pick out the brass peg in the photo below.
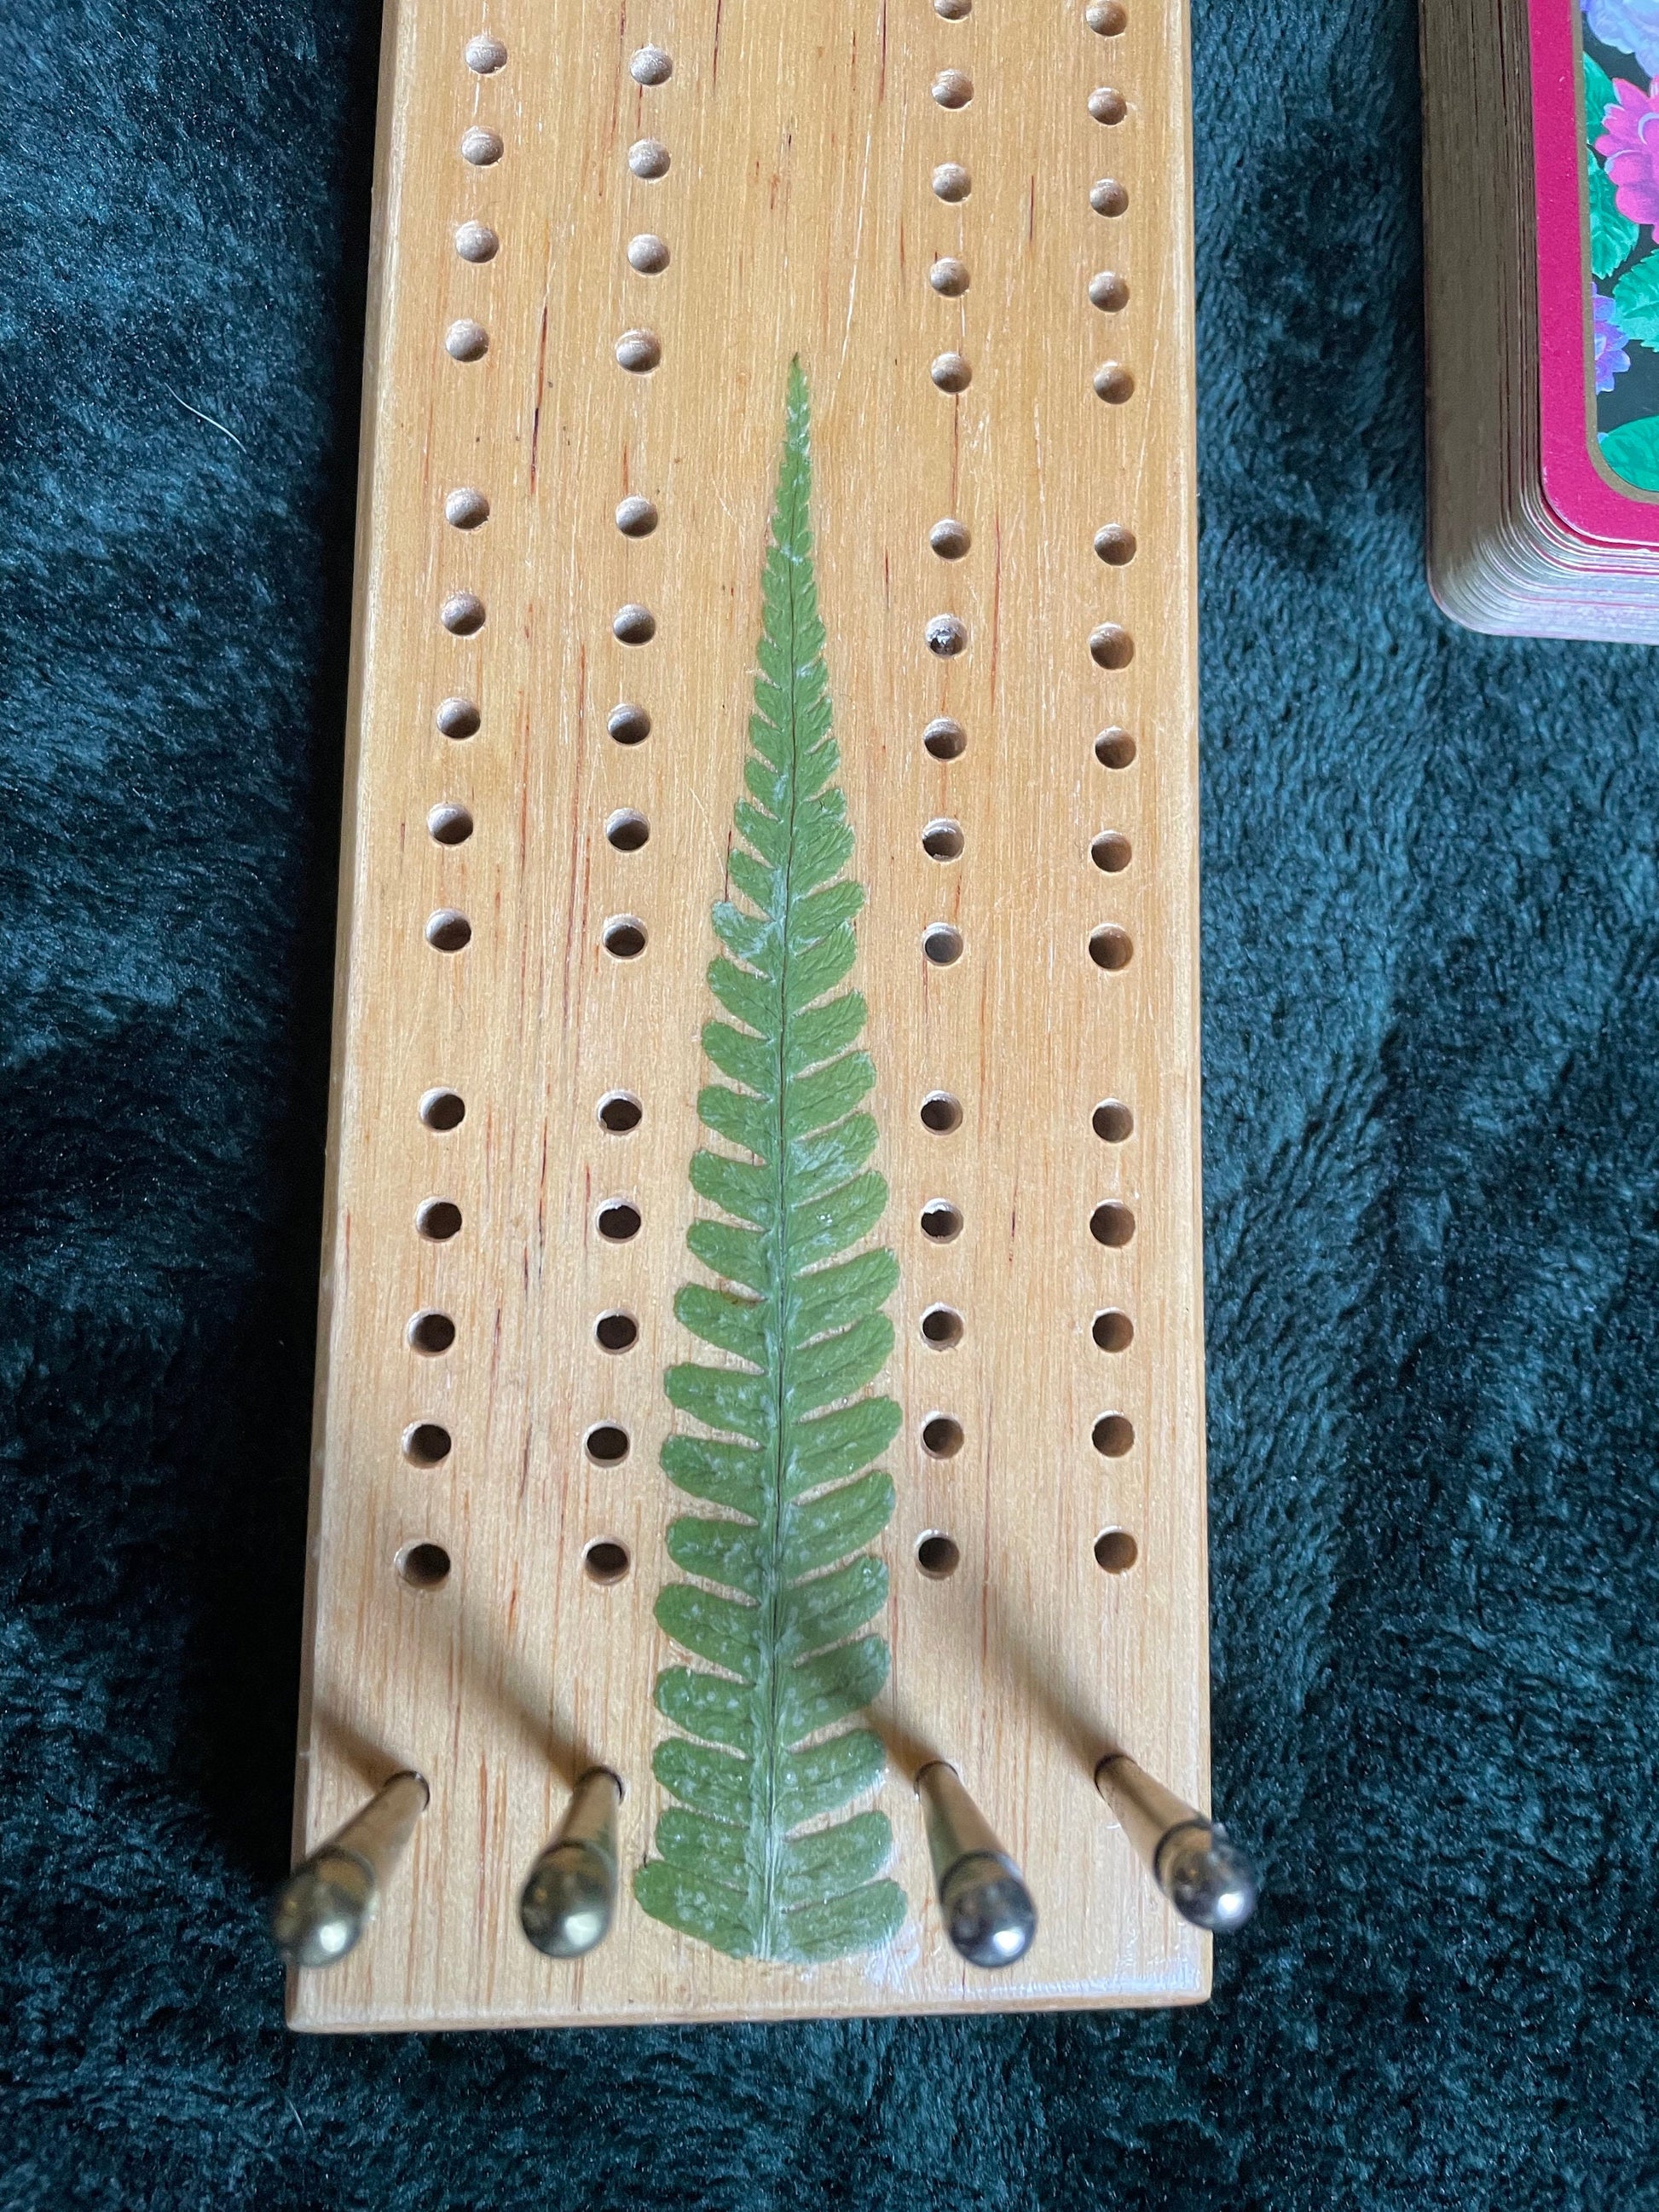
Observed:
{"x":320,"y":1911}
{"x":988,"y":1912}
{"x":567,"y":1904}
{"x":1205,"y":1877}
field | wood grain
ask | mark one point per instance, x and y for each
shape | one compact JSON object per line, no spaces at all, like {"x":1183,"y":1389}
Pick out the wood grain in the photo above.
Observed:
{"x":800,"y":216}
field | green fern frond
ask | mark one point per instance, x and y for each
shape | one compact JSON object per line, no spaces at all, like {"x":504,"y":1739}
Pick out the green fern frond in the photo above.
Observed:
{"x":783,"y":1585}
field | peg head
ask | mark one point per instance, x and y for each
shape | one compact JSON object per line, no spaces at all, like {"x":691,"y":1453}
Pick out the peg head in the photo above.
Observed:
{"x":988,"y":1912}
{"x":322,"y":1909}
{"x":1208,"y":1878}
{"x":566,"y":1907}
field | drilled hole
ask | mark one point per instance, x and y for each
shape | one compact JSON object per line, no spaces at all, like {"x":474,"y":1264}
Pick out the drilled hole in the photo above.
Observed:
{"x":1109,"y":292}
{"x":1110,"y":853}
{"x":635,"y":625}
{"x":938,"y":1556}
{"x":947,"y":636}
{"x":485,"y":55}
{"x":629,"y":725}
{"x":449,"y":824}
{"x":439,"y":1219}
{"x":942,"y":943}
{"x":1114,"y":383}
{"x":1106,"y":17}
{"x":951,"y":182}
{"x":481,"y":148}
{"x":1113,"y":1331}
{"x":431,"y":1333}
{"x":1110,"y":947}
{"x":465,"y":509}
{"x":953,"y":89}
{"x":447,"y":931}
{"x":1116,"y":1551}
{"x":648,"y":158}
{"x":950,"y":277}
{"x":426,"y":1444}
{"x":941,"y":1436}
{"x":476,"y":241}
{"x":617,"y":1332}
{"x":941,"y":1221}
{"x":1107,"y":106}
{"x":1112,"y":1223}
{"x":627,"y":830}
{"x":443,"y":1110}
{"x":466,"y":340}
{"x":1112,"y":1435}
{"x":459,"y":718}
{"x":1111,"y":645}
{"x":1114,"y":748}
{"x":943,"y":840}
{"x":950,"y":373}
{"x":423,"y":1566}
{"x":941,"y":1327}
{"x":950,"y":539}
{"x":648,"y":254}
{"x":619,"y":1112}
{"x":605,"y":1443}
{"x":954,"y":11}
{"x":1116,"y":545}
{"x":941,"y":1113}
{"x":639,"y":351}
{"x":636,"y":518}
{"x":1108,"y":197}
{"x":618,"y":1219}
{"x":462,"y":614}
{"x":624,"y":937}
{"x":1112,"y":1121}
{"x":651,"y":65}
{"x":605,"y":1561}
{"x":945,"y":740}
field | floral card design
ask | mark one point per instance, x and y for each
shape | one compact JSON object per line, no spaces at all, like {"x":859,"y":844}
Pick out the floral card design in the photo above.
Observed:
{"x":1620,"y":63}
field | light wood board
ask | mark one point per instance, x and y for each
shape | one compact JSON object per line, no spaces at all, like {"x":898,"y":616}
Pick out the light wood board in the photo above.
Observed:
{"x":801,"y":219}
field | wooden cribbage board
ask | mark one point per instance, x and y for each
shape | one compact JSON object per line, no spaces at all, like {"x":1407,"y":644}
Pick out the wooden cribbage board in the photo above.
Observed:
{"x":801,"y":216}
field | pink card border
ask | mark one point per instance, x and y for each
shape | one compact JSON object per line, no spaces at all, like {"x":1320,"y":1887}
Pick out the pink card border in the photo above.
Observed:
{"x":1576,"y":483}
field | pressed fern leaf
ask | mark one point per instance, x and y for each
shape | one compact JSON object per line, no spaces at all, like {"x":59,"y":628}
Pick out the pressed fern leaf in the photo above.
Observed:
{"x":782,"y":1585}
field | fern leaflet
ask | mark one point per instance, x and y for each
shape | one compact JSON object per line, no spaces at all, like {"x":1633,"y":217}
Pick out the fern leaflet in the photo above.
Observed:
{"x":782,"y":1585}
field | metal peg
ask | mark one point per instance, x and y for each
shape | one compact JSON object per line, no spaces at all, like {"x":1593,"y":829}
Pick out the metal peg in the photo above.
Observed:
{"x":1205,"y":1877}
{"x":988,"y":1912}
{"x":320,"y":1911}
{"x":566,"y":1907}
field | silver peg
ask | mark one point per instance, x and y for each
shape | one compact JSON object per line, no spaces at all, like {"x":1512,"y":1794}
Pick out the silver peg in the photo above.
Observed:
{"x":321,"y":1910}
{"x":988,"y":1912}
{"x":1205,"y":1877}
{"x":567,"y":1904}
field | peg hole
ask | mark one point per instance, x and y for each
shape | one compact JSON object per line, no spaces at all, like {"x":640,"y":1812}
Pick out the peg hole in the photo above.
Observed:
{"x":941,"y":1436}
{"x":648,"y":254}
{"x":942,"y":943}
{"x":938,"y":1556}
{"x":943,"y":840}
{"x":1116,"y":545}
{"x":1108,"y":197}
{"x":1112,"y":1435}
{"x":425,"y":1444}
{"x":1112,"y":1121}
{"x":1106,"y":18}
{"x":438,"y":1219}
{"x":950,"y":373}
{"x":618,"y":1219}
{"x":951,"y":182}
{"x":431,"y":1333}
{"x":1113,"y":383}
{"x":447,"y":931}
{"x":1109,"y":292}
{"x":954,"y":11}
{"x":1111,"y":645}
{"x":485,"y":55}
{"x":1114,"y":748}
{"x":1112,"y":1225}
{"x":633,"y":625}
{"x":1107,"y":106}
{"x":651,"y":65}
{"x":629,"y":725}
{"x":941,"y":1113}
{"x":476,"y":241}
{"x":950,"y":539}
{"x":627,"y":830}
{"x":466,"y":340}
{"x":639,"y":352}
{"x":941,"y":1222}
{"x":949,"y":277}
{"x":1110,"y":947}
{"x":1110,"y":853}
{"x":619,"y":1112}
{"x":449,"y":824}
{"x":462,"y":614}
{"x":482,"y":149}
{"x":953,"y":89}
{"x":945,"y":740}
{"x":636,"y":518}
{"x":605,"y":1444}
{"x":1115,"y":1551}
{"x":443,"y":1110}
{"x":941,"y":1327}
{"x":423,"y":1566}
{"x":648,"y":158}
{"x":605,"y":1561}
{"x":1113,"y":1331}
{"x":617,"y":1332}
{"x":465,"y":509}
{"x":624,"y":937}
{"x":459,"y":718}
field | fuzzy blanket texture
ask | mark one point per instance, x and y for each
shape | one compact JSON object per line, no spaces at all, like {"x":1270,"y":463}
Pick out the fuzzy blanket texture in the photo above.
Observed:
{"x":1432,"y":1162}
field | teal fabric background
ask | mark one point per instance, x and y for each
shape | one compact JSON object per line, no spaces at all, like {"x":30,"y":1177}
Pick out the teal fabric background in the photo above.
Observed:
{"x":1432,"y":1160}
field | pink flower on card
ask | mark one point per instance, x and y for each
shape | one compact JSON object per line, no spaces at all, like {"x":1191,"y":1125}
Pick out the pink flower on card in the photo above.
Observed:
{"x":1630,"y":145}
